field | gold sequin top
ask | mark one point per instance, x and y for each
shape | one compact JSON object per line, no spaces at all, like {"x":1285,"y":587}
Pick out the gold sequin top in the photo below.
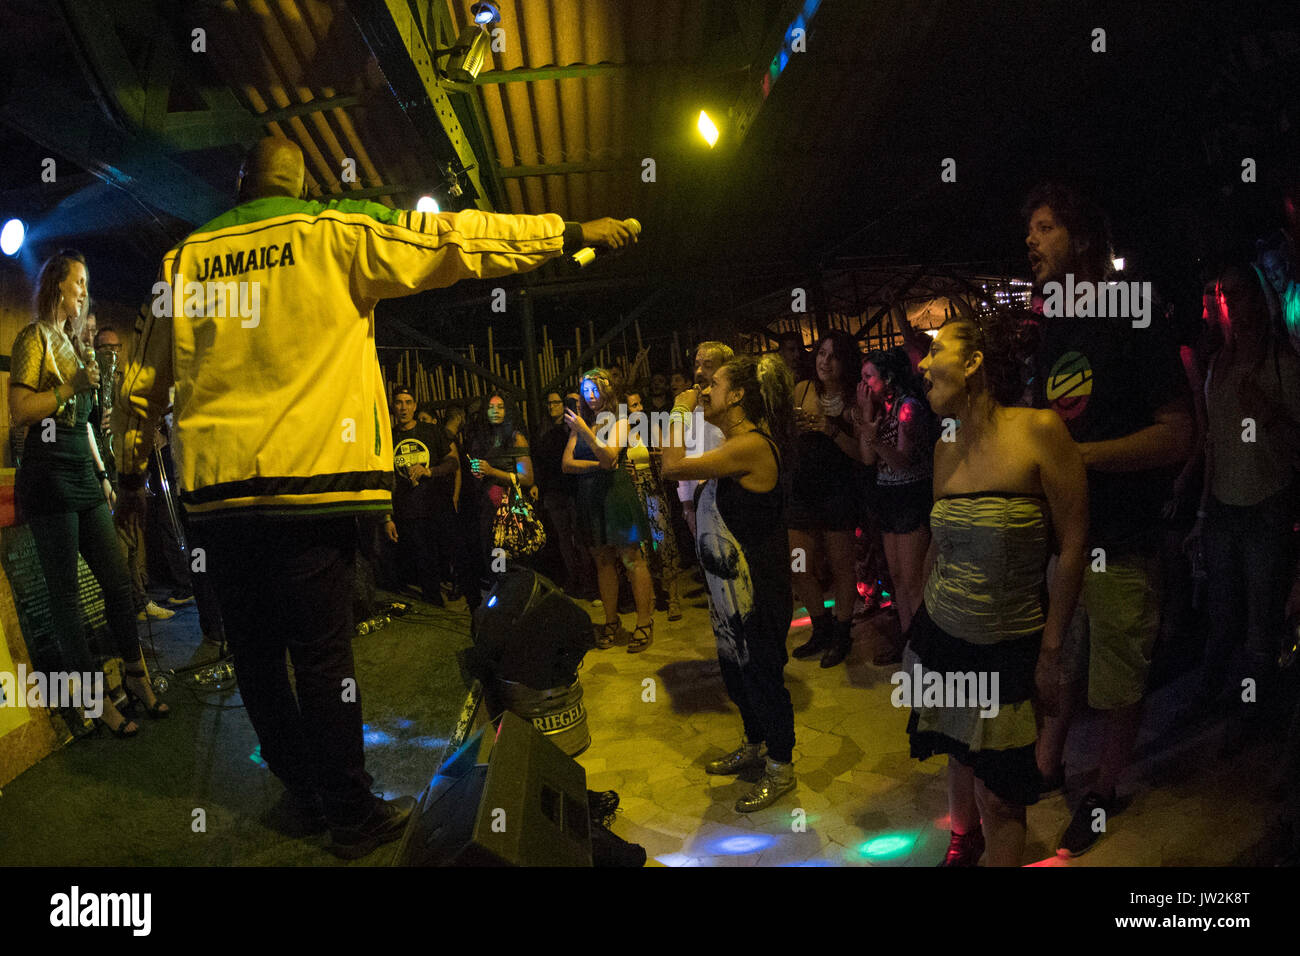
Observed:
{"x":42,"y":358}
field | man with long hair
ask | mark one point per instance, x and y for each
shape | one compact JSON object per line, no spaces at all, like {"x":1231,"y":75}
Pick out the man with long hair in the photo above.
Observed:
{"x":1123,"y":396}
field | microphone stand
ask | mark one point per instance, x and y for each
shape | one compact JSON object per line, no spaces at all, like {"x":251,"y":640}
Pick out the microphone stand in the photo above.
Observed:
{"x":213,"y":673}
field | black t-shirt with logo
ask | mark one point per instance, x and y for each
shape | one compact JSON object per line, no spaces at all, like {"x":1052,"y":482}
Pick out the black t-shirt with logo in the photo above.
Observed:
{"x":1106,"y":380}
{"x":425,"y":445}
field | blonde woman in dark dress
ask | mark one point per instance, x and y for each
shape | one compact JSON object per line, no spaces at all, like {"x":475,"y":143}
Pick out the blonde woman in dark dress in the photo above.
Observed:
{"x":62,"y":487}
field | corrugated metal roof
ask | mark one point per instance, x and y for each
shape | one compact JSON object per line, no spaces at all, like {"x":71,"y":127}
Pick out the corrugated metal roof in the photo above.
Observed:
{"x":282,"y":53}
{"x":614,"y":118}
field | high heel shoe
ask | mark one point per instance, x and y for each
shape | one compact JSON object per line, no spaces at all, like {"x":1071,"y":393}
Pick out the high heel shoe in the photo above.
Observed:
{"x":642,"y":638}
{"x":159,"y":710}
{"x":125,"y":728}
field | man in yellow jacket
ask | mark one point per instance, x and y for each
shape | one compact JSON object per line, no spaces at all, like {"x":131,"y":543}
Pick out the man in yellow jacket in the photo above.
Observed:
{"x":263,"y":319}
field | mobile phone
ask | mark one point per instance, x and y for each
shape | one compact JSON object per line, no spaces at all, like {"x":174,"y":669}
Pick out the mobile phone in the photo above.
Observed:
{"x":571,"y":404}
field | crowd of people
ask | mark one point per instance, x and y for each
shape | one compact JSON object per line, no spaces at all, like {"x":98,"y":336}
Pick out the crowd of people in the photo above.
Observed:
{"x":1012,"y":480}
{"x":1027,"y":483}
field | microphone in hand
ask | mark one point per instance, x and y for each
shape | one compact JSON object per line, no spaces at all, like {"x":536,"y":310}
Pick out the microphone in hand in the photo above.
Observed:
{"x":612,"y":234}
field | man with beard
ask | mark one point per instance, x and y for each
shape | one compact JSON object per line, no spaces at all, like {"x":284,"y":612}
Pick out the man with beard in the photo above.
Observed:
{"x":700,"y":435}
{"x":1122,"y":394}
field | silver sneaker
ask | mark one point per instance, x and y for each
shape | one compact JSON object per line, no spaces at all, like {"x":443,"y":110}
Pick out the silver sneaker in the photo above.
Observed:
{"x":777,"y":780}
{"x":744,"y":757}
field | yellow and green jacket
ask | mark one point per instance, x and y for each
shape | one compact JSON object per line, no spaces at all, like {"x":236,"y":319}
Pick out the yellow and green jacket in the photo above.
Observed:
{"x":263,"y":320}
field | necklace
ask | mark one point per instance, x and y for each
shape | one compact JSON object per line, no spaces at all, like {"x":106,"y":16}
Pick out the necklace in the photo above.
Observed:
{"x":832,"y":407}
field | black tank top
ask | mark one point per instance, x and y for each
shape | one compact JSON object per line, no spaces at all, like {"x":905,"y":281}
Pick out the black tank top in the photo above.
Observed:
{"x":745,"y":554}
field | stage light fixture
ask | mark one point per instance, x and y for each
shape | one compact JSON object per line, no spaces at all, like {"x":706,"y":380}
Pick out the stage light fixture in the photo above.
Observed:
{"x":469,"y":54}
{"x":485,"y":14}
{"x":707,"y":129}
{"x":12,"y":236}
{"x":1118,"y":263}
{"x":426,"y":204}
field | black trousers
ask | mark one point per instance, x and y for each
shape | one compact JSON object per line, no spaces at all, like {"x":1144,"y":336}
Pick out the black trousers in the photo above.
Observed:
{"x":58,"y":538}
{"x":426,"y":543}
{"x":286,"y":586}
{"x":758,"y":689}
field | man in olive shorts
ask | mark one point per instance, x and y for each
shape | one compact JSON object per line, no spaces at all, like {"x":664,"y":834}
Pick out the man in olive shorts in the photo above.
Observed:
{"x":1117,"y":383}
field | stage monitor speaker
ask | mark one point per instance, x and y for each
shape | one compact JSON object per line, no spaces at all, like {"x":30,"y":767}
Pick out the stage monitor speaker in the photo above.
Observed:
{"x":530,"y":632}
{"x":509,"y":798}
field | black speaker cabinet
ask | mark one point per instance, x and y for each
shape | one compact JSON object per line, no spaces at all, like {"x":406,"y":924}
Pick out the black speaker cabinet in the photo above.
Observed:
{"x":530,"y":632}
{"x":508,"y":797}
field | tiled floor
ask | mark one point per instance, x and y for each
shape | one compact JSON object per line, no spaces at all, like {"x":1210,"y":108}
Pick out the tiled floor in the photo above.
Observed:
{"x":657,"y":717}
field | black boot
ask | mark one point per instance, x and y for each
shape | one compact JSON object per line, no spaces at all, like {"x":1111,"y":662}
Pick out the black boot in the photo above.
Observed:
{"x":841,"y":644}
{"x":820,"y":640}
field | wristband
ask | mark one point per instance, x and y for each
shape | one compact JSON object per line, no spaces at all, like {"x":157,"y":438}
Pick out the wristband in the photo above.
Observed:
{"x":101,"y":474}
{"x":572,"y":237}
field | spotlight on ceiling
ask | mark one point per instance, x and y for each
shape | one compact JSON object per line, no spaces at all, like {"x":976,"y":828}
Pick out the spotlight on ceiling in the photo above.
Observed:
{"x":485,"y":14}
{"x":707,"y":129}
{"x":469,"y":54}
{"x":426,"y":204}
{"x":12,"y":236}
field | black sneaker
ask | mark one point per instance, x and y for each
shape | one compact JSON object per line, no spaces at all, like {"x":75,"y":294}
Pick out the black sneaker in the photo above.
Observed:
{"x":1086,"y":827}
{"x":965,"y":849}
{"x":385,"y":824}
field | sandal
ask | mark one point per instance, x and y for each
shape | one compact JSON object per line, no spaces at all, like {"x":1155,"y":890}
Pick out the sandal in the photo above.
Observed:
{"x":159,"y":710}
{"x":124,"y":729}
{"x":607,"y":635}
{"x":636,"y":644}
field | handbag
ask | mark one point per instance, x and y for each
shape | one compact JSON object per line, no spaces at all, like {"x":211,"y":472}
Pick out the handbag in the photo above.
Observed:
{"x":516,"y":529}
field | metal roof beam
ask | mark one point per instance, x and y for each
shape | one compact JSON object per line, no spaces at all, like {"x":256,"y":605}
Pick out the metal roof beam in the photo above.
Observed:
{"x":373,"y":192}
{"x":396,"y":39}
{"x":203,"y":129}
{"x":560,"y":169}
{"x":53,"y":117}
{"x":528,"y":74}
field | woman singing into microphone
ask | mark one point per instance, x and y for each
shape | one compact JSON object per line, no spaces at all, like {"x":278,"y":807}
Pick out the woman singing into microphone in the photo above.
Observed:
{"x":62,"y":487}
